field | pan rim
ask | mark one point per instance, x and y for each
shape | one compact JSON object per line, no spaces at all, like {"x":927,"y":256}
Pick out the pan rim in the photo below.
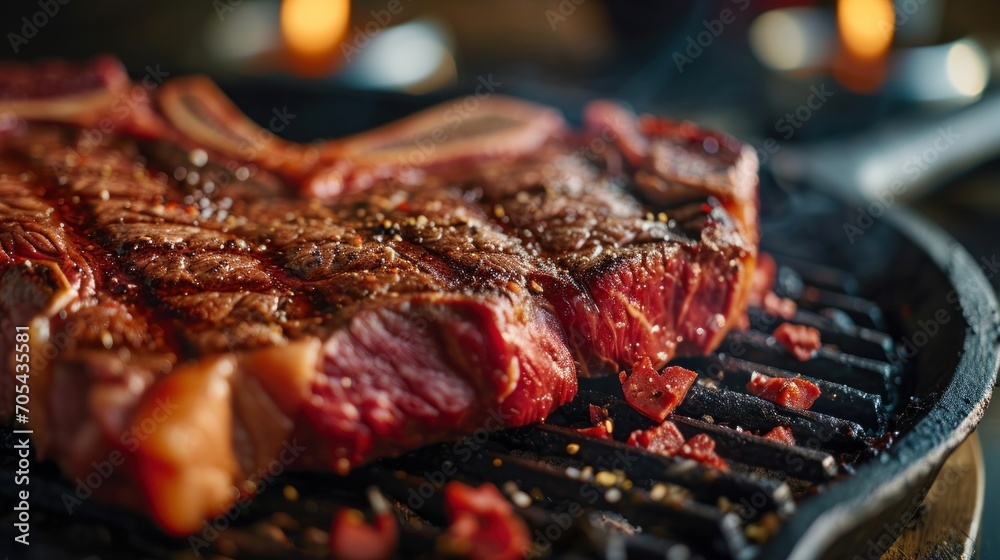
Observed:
{"x":878,"y":484}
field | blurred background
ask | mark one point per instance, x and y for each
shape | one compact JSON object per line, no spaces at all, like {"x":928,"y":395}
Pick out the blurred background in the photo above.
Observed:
{"x":874,"y":99}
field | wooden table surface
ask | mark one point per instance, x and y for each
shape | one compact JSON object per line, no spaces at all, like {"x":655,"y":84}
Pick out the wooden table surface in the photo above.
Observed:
{"x":948,"y":524}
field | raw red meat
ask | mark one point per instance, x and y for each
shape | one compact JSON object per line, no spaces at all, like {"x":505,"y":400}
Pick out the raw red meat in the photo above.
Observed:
{"x":352,"y":538}
{"x":656,"y":394}
{"x":779,"y":306}
{"x":483,"y":525}
{"x":701,"y":448}
{"x":800,"y":340}
{"x":664,"y":438}
{"x":782,"y":434}
{"x":600,"y":431}
{"x":789,"y":392}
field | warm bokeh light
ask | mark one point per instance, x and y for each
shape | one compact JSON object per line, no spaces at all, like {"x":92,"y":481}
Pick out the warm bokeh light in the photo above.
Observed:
{"x":312,"y":29}
{"x":866,"y":27}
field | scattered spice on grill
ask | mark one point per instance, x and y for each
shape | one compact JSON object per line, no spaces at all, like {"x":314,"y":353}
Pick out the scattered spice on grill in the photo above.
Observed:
{"x":655,"y":394}
{"x":482,"y":524}
{"x":605,"y":478}
{"x":788,"y":392}
{"x":782,"y":434}
{"x":800,"y":340}
{"x":352,"y":538}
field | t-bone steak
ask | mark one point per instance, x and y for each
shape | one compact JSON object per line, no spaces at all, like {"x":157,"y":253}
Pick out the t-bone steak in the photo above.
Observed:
{"x":204,"y":298}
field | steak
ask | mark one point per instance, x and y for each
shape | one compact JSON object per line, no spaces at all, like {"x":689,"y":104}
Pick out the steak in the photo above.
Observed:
{"x":206,"y":300}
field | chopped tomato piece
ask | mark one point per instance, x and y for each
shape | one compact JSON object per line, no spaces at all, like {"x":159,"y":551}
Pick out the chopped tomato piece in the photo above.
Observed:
{"x":800,"y":340}
{"x":665,"y":439}
{"x":656,"y":394}
{"x":351,"y":538}
{"x":483,"y":524}
{"x":701,"y":448}
{"x":599,"y":431}
{"x":762,"y":280}
{"x":782,"y":434}
{"x":788,"y":392}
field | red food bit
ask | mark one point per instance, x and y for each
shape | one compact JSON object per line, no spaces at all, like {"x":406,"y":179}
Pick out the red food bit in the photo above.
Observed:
{"x":656,"y":394}
{"x":599,"y":431}
{"x":779,"y":306}
{"x":800,"y":340}
{"x":665,"y":439}
{"x":762,"y":280}
{"x":483,"y":525}
{"x":701,"y":448}
{"x":351,"y":538}
{"x":782,"y":434}
{"x":741,"y":323}
{"x":788,"y":392}
{"x":597,"y":414}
